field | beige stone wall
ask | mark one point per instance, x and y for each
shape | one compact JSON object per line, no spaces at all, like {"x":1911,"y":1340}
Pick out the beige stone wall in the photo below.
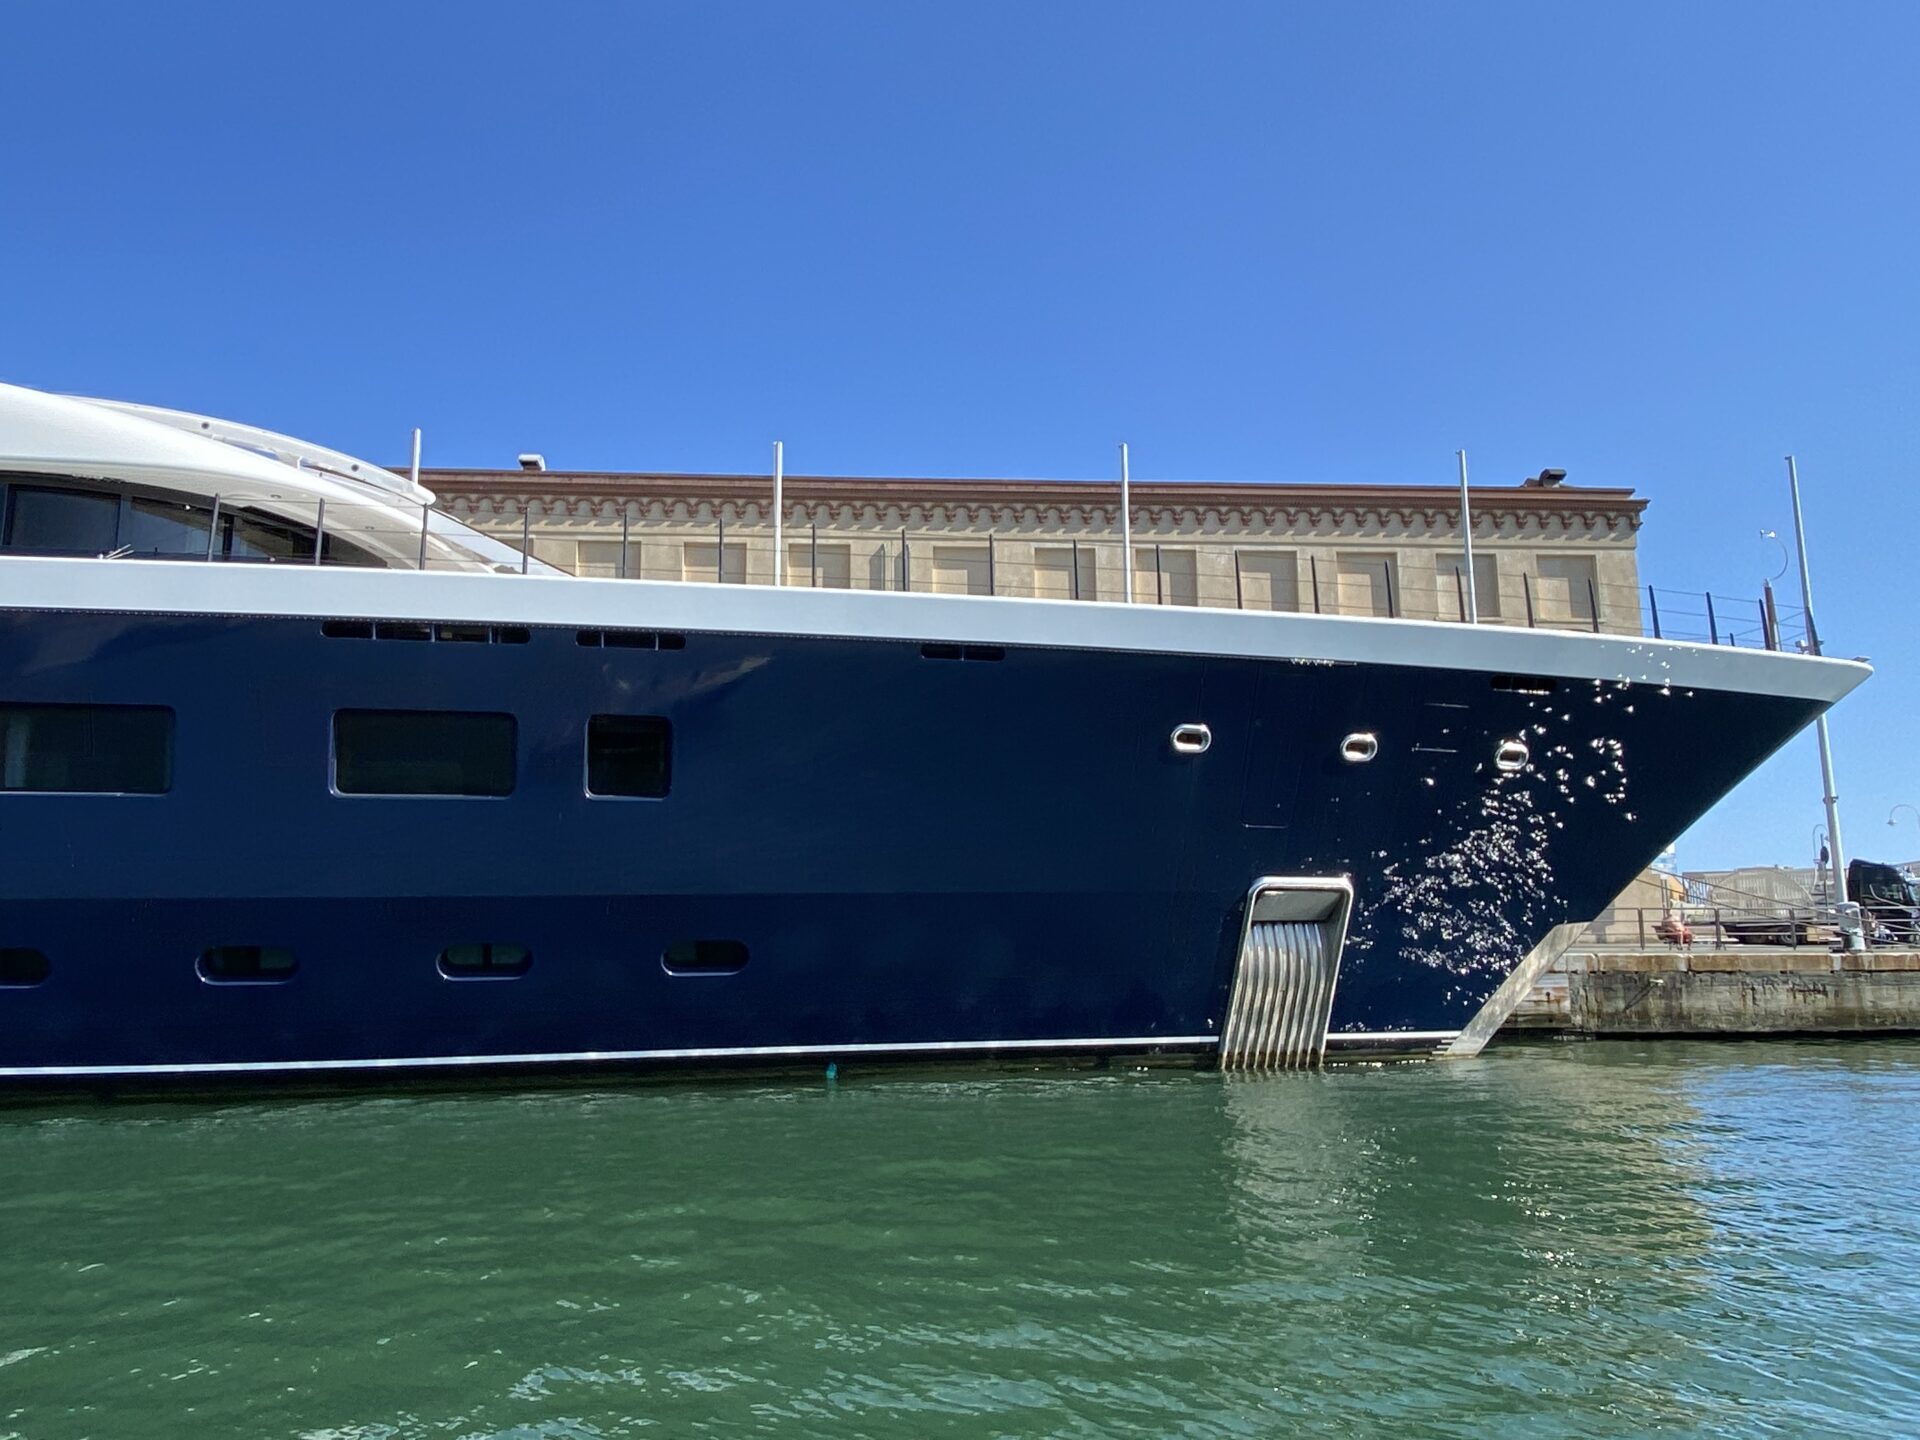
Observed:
{"x":1548,"y":570}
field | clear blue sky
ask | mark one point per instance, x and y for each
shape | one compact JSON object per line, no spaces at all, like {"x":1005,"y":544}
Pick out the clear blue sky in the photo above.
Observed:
{"x":1659,"y":245}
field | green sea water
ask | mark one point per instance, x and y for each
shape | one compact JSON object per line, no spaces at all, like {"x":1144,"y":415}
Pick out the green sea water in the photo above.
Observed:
{"x":1556,"y":1240}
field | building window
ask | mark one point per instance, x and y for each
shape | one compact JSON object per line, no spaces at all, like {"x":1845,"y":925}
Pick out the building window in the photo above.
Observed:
{"x":246,"y":965}
{"x":1567,"y":591}
{"x":962,"y":570}
{"x":700,"y":560}
{"x":1165,"y":576}
{"x":485,"y":962}
{"x":86,"y":749}
{"x":75,"y":521}
{"x":1269,"y":580}
{"x":1450,"y":576}
{"x":423,"y":752}
{"x":629,"y":756}
{"x":1066,"y":572}
{"x":21,"y":968}
{"x":1366,"y":584}
{"x":829,"y":567}
{"x":704,"y":957}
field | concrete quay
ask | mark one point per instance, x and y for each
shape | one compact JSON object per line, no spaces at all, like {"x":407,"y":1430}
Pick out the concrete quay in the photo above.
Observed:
{"x":1724,"y":992}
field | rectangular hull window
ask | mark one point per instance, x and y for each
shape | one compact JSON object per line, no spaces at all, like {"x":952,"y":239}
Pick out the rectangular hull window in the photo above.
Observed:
{"x":423,"y":752}
{"x":629,"y":755}
{"x":86,"y":749}
{"x":485,"y":962}
{"x":246,"y":965}
{"x":20,"y":969}
{"x":704,"y":957}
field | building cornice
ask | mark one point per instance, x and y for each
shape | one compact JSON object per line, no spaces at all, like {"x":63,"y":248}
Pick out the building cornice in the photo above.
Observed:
{"x":1015,"y":504}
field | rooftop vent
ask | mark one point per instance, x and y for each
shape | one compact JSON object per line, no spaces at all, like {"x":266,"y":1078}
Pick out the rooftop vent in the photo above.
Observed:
{"x":1545,"y":480}
{"x":535,"y":463}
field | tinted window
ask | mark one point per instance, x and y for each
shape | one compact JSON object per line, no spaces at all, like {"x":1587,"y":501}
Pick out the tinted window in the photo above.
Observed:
{"x":422,"y":752}
{"x":704,"y":957}
{"x":20,"y":968}
{"x":97,"y":749}
{"x":62,"y":520}
{"x":629,"y":755}
{"x":485,"y":962}
{"x":246,"y":964}
{"x":165,"y":527}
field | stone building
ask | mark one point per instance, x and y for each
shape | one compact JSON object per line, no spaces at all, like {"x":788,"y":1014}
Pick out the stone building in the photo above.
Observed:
{"x":1545,"y":553}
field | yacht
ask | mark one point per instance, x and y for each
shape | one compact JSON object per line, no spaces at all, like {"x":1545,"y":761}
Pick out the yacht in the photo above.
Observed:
{"x":299,"y":774}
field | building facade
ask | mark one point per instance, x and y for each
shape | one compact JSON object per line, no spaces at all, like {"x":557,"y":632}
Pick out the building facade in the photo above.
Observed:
{"x":1549,"y":555}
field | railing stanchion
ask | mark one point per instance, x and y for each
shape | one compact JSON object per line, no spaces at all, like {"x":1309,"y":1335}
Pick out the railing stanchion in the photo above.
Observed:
{"x":1460,"y":591}
{"x":1526,"y":589}
{"x":906,"y":573}
{"x":422,"y":563}
{"x":1593,"y":604}
{"x":720,"y":550}
{"x":1653,"y":608}
{"x":1239,"y":589}
{"x":1713,"y":626}
{"x":626,"y":534}
{"x":1313,"y":575}
{"x":526,"y":536}
{"x":993,"y":584}
{"x":319,"y":528}
{"x":1386,"y":569}
{"x":1640,"y":919}
{"x":813,"y":555}
{"x":213,"y":527}
{"x":1159,"y":582}
{"x":1073,"y":583}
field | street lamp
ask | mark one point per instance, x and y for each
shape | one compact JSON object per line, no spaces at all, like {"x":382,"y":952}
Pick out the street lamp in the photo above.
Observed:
{"x":1904,"y":806}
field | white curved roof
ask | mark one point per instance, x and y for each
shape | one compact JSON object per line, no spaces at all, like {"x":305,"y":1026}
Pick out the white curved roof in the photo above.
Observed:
{"x":204,"y":457}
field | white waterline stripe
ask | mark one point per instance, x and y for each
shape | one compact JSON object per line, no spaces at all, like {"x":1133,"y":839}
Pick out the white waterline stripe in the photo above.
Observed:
{"x":1375,"y":1037}
{"x":296,"y":591}
{"x":733,"y":1052}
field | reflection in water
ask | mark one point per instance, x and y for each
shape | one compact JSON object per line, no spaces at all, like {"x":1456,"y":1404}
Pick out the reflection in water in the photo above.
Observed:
{"x":1590,"y":1240}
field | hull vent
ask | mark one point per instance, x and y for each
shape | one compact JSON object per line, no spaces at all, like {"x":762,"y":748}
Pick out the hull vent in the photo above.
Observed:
{"x":1283,"y":982}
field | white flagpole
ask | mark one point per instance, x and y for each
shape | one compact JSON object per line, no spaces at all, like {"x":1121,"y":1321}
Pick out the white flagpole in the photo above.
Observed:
{"x":1466,"y":540}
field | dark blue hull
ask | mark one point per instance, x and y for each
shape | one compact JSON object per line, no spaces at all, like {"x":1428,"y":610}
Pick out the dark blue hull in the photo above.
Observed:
{"x":919,"y":855}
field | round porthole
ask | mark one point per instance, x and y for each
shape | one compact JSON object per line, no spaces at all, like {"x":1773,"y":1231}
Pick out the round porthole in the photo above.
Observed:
{"x":1359,"y":748}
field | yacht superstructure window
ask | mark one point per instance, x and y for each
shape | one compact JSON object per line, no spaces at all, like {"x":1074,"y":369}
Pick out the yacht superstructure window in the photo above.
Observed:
{"x":165,"y":527}
{"x":82,"y":521}
{"x":86,"y":749}
{"x":423,"y":752}
{"x":629,"y":755}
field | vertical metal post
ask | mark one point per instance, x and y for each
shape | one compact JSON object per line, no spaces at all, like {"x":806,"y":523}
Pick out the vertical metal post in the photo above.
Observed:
{"x":1386,"y":568}
{"x":1466,"y":542}
{"x":1460,"y":592}
{"x":413,"y":470}
{"x":1073,"y":581}
{"x":424,"y":508}
{"x":813,"y":554}
{"x":906,"y":574}
{"x":1593,"y":605}
{"x":1770,"y":614}
{"x":1526,"y":589}
{"x":626,"y":532}
{"x":720,"y":550}
{"x":1313,"y":574}
{"x":1640,"y":920}
{"x":213,"y":527}
{"x":779,"y":511}
{"x":1126,"y":526}
{"x":320,"y":526}
{"x":1849,"y":916}
{"x":1239,"y":587}
{"x":526,"y":535}
{"x":993,"y":587}
{"x":1713,"y":625}
{"x":1159,"y":581}
{"x":1653,"y":608}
